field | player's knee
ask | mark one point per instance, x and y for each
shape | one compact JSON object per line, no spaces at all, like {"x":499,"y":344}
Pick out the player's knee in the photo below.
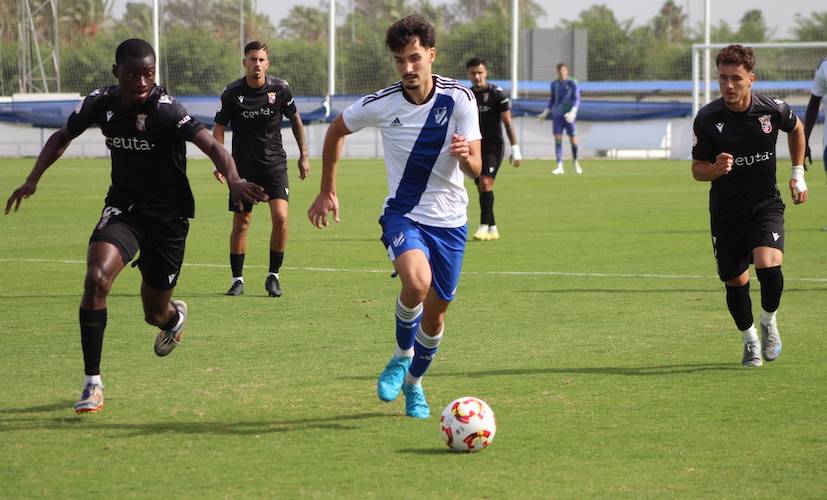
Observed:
{"x":558,"y":141}
{"x":432,"y":324}
{"x":97,"y":282}
{"x":416,"y":288}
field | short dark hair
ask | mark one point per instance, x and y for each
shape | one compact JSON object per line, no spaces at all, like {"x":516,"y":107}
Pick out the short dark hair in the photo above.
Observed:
{"x":562,"y":65}
{"x":736,"y":55}
{"x":256,"y":45}
{"x":133,"y":48}
{"x":476,"y":61}
{"x":404,"y":31}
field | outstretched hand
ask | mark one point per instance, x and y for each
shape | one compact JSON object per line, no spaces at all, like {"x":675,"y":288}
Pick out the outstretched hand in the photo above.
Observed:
{"x":27,"y":189}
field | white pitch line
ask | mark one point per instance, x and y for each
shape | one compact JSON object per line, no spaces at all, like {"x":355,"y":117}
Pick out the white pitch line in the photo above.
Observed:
{"x":487,"y":273}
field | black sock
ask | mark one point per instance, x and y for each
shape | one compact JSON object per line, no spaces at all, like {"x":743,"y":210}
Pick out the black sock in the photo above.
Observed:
{"x":92,"y":325}
{"x":574,"y":151}
{"x":487,"y":208}
{"x":772,"y":284}
{"x":169,"y":325}
{"x":237,"y":264}
{"x":276,"y":258}
{"x":740,"y":305}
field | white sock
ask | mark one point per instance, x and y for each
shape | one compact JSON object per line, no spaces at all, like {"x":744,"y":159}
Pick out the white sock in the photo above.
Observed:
{"x":403,"y":353}
{"x":483,"y":228}
{"x":92,"y":379}
{"x":767,"y":318}
{"x":492,"y":229}
{"x":411,"y":380}
{"x":750,"y":334}
{"x":240,"y":278}
{"x":273,"y":274}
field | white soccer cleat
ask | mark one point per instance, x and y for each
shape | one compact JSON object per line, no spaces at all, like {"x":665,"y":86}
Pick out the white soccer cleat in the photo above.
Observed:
{"x":752,"y":354}
{"x":770,"y":340}
{"x":559,"y":170}
{"x":481,"y":234}
{"x":577,"y":169}
{"x":493,"y":234}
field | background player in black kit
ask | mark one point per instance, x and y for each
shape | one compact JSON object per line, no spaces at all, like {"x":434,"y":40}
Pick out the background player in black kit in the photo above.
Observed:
{"x":495,"y":109}
{"x":735,"y":138}
{"x":148,"y":204}
{"x":254,"y":106}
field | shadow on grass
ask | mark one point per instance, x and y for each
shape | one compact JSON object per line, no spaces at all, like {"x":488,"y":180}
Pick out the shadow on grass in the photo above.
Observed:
{"x":37,"y":409}
{"x":88,"y":423}
{"x":631,"y":371}
{"x":718,"y":291}
{"x":428,"y":451}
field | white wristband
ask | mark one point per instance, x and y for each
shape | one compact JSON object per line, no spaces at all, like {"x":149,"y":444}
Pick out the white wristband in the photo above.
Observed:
{"x":797,"y":174}
{"x":515,"y":152}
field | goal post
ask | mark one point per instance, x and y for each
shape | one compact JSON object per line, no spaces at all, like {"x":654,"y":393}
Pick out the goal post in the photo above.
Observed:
{"x":781,"y":67}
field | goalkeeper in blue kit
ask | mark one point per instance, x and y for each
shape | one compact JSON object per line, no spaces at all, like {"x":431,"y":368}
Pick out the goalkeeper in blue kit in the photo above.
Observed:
{"x":562,"y":105}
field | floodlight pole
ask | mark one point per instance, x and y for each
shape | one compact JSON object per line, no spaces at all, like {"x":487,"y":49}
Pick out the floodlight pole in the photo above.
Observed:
{"x":156,"y":40}
{"x":331,"y":56}
{"x":515,"y":32}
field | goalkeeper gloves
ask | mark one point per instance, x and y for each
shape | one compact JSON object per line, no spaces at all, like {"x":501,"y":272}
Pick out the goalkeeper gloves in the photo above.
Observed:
{"x":571,"y":115}
{"x":542,"y":116}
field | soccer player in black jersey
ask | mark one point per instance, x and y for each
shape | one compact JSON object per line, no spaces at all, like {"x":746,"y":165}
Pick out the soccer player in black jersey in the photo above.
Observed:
{"x":495,"y":110}
{"x":148,"y":204}
{"x":254,"y":106}
{"x":734,"y":148}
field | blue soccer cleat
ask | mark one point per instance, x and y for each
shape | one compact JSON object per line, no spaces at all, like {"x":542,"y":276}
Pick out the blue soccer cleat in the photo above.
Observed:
{"x":415,"y":404}
{"x":391,"y":378}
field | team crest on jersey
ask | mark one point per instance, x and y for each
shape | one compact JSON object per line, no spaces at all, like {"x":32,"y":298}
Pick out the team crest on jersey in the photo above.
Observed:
{"x":140,"y":122}
{"x":441,"y":115}
{"x":271,"y":97}
{"x":766,"y":124}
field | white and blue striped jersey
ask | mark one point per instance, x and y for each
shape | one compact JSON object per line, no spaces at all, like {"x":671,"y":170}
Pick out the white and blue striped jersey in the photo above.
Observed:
{"x":425,"y":183}
{"x":820,"y":90}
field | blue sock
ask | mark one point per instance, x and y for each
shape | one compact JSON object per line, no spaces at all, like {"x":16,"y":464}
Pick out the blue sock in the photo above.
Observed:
{"x":425,"y":349}
{"x":407,"y":323}
{"x":558,"y":151}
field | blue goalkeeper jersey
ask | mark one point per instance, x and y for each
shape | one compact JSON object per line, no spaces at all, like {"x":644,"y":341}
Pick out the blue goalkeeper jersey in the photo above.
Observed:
{"x":564,"y":95}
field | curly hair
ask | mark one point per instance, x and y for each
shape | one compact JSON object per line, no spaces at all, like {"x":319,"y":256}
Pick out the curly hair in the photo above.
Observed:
{"x":736,"y":55}
{"x":404,"y":31}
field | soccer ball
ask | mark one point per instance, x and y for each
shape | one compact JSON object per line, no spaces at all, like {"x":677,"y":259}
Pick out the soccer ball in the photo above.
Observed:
{"x":467,"y":424}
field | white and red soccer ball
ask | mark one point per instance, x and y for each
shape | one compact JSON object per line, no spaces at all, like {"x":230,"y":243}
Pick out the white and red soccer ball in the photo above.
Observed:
{"x":467,"y":424}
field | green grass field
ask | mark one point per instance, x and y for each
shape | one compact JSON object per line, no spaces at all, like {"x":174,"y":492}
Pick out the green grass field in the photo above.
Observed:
{"x":595,"y":328}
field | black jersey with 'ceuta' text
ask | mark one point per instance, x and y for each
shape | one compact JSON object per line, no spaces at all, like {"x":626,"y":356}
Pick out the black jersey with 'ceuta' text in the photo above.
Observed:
{"x":491,"y":102}
{"x":750,"y":137}
{"x":148,"y":150}
{"x":255,"y":116}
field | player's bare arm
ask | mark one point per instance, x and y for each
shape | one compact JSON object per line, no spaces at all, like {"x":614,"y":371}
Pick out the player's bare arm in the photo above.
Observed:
{"x":515,"y":157}
{"x":241,"y":190}
{"x":810,"y":116}
{"x":298,"y":132}
{"x":53,"y":149}
{"x":218,"y":135}
{"x":469,"y":155}
{"x":797,"y":143}
{"x":706,"y":171}
{"x":327,"y":201}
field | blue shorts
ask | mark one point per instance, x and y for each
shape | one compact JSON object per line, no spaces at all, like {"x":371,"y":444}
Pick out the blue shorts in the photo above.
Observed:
{"x":444,"y":248}
{"x":559,"y":124}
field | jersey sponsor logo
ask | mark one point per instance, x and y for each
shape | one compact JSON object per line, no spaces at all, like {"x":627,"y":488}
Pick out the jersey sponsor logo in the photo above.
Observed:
{"x":183,"y":121}
{"x":241,"y":99}
{"x":140,"y":122}
{"x":750,"y":160}
{"x":775,"y":236}
{"x":109,"y":115}
{"x":484,"y":108}
{"x":398,"y":239}
{"x":720,"y":127}
{"x":441,"y":115}
{"x":165,"y":99}
{"x":271,"y":97}
{"x":766,"y":124}
{"x":255,"y":113}
{"x":396,"y":122}
{"x":129,"y":144}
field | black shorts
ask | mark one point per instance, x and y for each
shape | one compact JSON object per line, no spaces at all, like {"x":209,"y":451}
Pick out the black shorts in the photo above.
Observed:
{"x":734,"y":238}
{"x":161,"y":243}
{"x":274,"y":181}
{"x":492,"y":157}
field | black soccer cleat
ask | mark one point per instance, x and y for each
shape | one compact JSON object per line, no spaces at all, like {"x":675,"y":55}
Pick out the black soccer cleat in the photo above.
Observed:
{"x":271,"y":284}
{"x":237,"y":288}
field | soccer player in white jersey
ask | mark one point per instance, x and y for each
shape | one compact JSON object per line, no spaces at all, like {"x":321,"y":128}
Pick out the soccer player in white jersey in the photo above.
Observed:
{"x":431,"y":137}
{"x":818,"y":91}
